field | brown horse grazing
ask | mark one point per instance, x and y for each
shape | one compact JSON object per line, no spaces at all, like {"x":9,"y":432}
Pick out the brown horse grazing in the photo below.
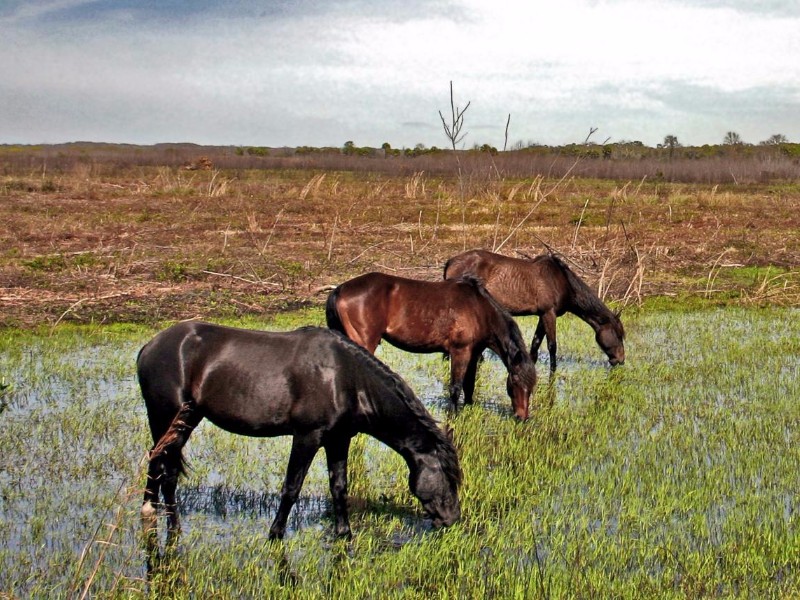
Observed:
{"x":312,"y":384}
{"x":547,"y":287}
{"x":459,"y":318}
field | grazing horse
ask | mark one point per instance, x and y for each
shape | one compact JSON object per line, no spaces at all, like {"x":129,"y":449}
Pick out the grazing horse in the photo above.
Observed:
{"x":459,"y":318}
{"x":547,"y":287}
{"x":312,"y":384}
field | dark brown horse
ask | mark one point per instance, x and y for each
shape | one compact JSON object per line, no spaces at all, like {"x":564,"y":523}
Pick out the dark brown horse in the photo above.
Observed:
{"x":547,"y":287}
{"x":459,"y":318}
{"x":312,"y":384}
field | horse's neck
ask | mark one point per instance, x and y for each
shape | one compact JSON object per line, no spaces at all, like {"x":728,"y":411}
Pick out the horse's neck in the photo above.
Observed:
{"x":501,"y":340}
{"x":596,"y":316}
{"x":583,"y":302}
{"x":398,"y":427}
{"x":501,"y":348}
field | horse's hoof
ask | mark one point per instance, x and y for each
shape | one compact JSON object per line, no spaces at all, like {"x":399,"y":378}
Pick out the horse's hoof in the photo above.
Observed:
{"x":344,"y":533}
{"x":148,"y":513}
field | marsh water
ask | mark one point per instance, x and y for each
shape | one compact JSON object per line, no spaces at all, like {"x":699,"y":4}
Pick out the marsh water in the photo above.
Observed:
{"x":73,"y":441}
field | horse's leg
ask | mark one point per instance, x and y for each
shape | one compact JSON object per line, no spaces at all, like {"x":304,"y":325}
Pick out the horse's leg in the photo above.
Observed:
{"x":367,"y":335}
{"x":166,"y":464}
{"x":548,"y":319}
{"x":151,"y":490}
{"x":470,"y":376}
{"x":304,"y":448}
{"x":459,"y":359}
{"x":538,"y":336}
{"x":365,"y":338}
{"x":336,"y":454}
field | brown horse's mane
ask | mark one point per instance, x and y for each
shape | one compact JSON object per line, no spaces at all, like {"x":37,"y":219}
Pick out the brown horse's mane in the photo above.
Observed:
{"x":444,"y":447}
{"x":585,"y":298}
{"x":514,"y":332}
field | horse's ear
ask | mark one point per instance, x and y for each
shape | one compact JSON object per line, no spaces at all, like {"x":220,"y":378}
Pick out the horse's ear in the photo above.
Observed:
{"x":449,"y":432}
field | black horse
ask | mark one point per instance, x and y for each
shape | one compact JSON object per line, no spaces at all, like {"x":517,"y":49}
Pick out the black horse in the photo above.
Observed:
{"x":547,"y":287}
{"x":313,"y":384}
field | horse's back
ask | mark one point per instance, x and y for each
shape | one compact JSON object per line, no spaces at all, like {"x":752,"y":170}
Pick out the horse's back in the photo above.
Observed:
{"x":522,"y":286}
{"x":414,"y":315}
{"x":159,"y":360}
{"x":471,"y":261}
{"x":249,"y":382}
{"x":172,"y":352}
{"x":380,"y":297}
{"x":182,"y":351}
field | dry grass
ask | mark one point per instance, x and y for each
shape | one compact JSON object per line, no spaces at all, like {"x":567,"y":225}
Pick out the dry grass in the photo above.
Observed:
{"x":103,"y":241}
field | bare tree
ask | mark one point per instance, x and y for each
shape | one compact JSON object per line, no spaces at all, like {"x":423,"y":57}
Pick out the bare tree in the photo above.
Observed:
{"x":453,"y":129}
{"x":453,"y":132}
{"x":505,"y":142}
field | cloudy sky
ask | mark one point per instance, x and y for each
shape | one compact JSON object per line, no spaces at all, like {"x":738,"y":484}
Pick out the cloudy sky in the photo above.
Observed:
{"x":316,"y":72}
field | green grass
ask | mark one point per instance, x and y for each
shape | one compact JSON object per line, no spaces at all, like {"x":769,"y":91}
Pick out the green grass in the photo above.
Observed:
{"x":674,"y":476}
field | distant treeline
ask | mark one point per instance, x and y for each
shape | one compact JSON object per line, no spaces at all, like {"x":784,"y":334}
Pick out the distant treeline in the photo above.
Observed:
{"x":723,"y":163}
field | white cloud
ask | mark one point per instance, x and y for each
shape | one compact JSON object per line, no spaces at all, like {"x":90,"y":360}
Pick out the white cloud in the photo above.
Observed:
{"x":636,"y":69}
{"x":20,"y":11}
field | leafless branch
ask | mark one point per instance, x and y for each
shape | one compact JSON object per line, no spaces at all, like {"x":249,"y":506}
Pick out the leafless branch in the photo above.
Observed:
{"x":453,"y":129}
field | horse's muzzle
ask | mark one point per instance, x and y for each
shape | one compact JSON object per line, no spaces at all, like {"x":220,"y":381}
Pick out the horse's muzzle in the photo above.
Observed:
{"x":616,"y":356}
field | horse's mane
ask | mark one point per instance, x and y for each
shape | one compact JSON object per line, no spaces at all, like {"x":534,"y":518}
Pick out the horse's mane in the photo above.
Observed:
{"x":444,"y":447}
{"x":514,"y":332}
{"x":585,"y":298}
{"x":477,"y":283}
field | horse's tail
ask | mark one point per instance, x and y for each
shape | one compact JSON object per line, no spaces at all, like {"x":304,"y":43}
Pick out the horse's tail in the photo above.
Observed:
{"x":332,"y":313}
{"x":447,"y":267}
{"x":175,"y":433}
{"x":169,"y":405}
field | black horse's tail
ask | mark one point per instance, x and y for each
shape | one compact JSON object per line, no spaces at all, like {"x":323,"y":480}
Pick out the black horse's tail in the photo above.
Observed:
{"x":332,"y":314}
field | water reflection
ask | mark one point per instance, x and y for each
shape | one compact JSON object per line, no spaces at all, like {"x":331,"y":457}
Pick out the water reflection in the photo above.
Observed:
{"x":221,"y":503}
{"x":165,"y":569}
{"x":169,"y":568}
{"x":168,"y":571}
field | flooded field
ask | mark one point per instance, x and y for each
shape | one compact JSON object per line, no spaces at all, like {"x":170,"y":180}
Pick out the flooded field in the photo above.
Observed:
{"x":674,"y":475}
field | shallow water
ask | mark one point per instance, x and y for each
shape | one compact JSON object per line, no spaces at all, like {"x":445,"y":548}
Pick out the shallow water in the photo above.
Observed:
{"x":73,"y":437}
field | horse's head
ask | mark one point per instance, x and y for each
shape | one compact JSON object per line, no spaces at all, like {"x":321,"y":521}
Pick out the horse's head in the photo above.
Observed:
{"x":610,"y":337}
{"x":520,"y":383}
{"x":437,"y":490}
